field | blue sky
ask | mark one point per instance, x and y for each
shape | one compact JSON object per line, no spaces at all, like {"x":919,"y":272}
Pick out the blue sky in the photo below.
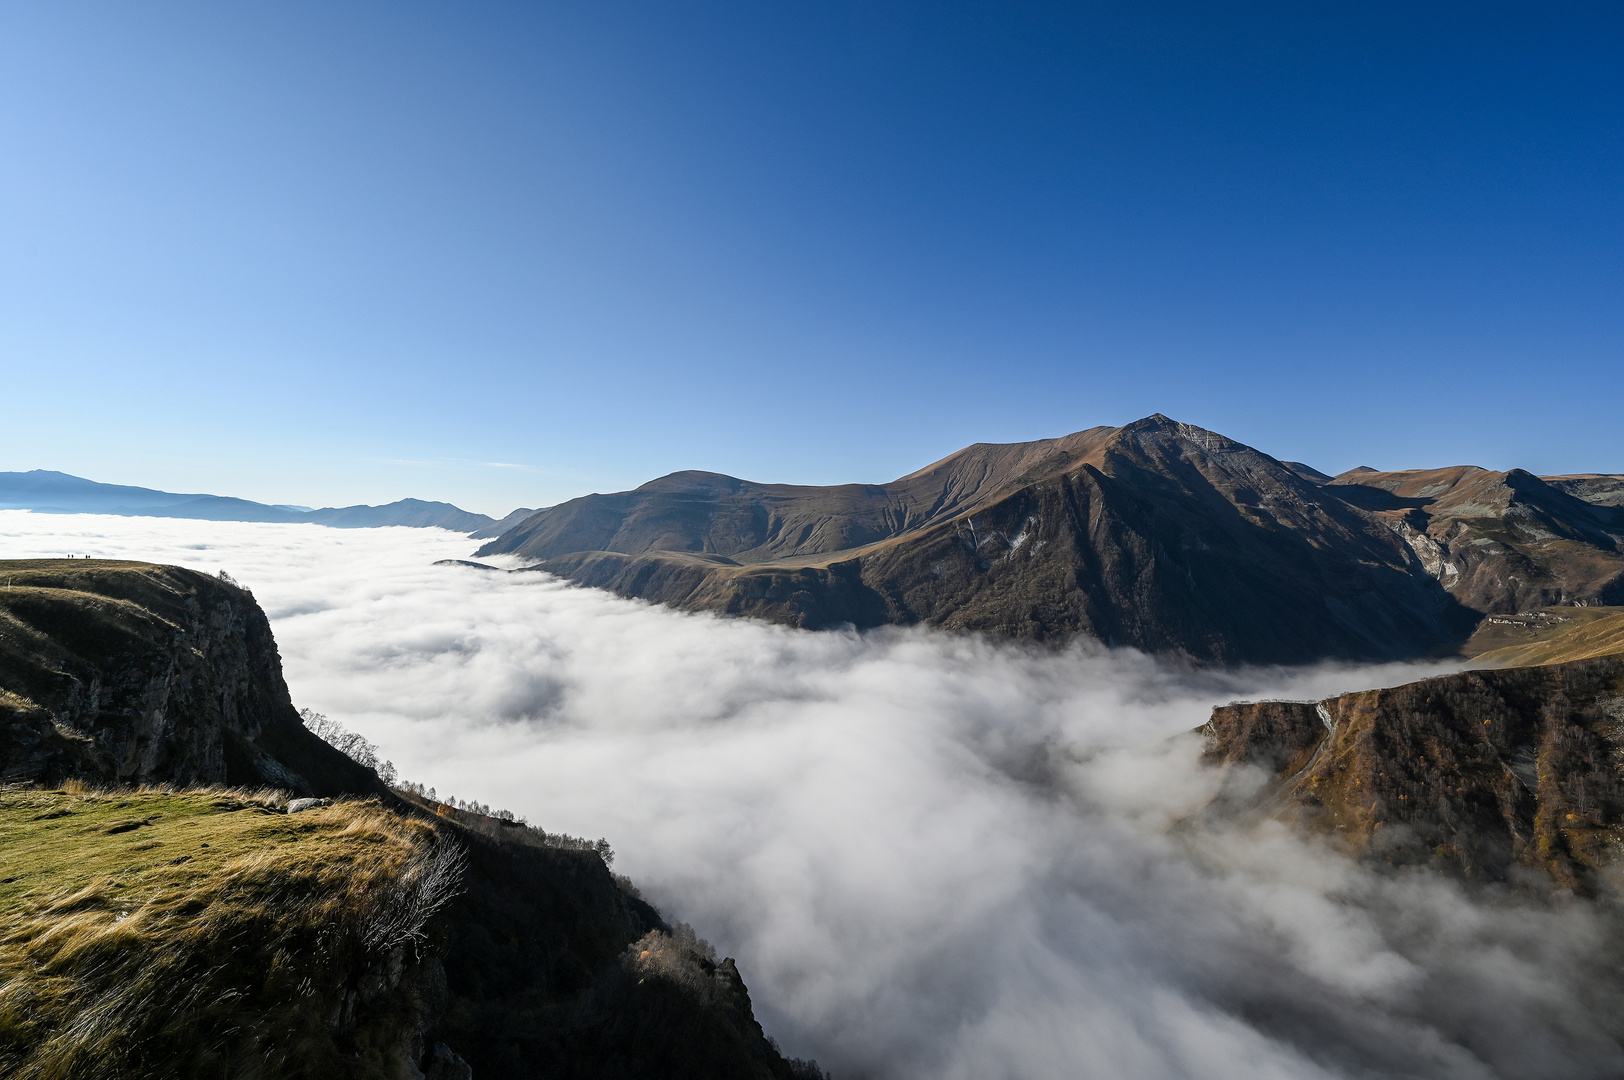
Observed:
{"x":508,"y":253}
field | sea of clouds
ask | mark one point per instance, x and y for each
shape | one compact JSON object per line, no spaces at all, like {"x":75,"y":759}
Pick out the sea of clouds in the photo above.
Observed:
{"x":933,"y":856}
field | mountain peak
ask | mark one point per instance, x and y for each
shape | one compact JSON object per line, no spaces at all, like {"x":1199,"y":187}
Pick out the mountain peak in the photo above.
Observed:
{"x":694,"y":482}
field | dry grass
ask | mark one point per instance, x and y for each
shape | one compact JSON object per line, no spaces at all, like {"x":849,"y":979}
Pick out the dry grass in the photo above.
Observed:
{"x":163,"y":933}
{"x":1589,"y":633}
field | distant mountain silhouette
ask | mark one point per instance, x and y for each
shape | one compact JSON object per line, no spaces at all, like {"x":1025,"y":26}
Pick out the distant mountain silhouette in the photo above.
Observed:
{"x":1159,"y":535}
{"x":45,"y":491}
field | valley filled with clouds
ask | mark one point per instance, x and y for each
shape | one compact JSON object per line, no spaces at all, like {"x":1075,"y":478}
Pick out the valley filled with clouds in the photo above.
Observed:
{"x":933,"y":855}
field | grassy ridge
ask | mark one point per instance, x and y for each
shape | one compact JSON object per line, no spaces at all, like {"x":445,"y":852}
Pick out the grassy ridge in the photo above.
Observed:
{"x":1591,"y":635}
{"x":155,"y":933}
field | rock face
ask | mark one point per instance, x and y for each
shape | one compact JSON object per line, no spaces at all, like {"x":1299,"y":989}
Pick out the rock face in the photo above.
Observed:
{"x":129,"y":673}
{"x":1504,"y":542}
{"x":1481,"y":774}
{"x":1159,"y":535}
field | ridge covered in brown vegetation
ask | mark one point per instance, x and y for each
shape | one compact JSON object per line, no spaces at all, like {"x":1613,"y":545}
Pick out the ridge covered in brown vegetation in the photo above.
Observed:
{"x":1512,"y":774}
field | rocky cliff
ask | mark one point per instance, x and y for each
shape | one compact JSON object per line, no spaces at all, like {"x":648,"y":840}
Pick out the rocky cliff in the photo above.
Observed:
{"x":129,"y":673}
{"x":1495,"y":775}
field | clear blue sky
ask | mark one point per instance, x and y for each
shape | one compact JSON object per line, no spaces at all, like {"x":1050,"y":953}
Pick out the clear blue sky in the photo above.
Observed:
{"x":508,"y":253}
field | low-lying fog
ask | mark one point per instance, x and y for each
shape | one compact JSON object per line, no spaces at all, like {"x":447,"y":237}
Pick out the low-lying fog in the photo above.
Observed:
{"x":933,"y":857}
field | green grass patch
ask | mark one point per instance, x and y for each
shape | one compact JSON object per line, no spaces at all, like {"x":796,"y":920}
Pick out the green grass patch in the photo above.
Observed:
{"x":160,"y":933}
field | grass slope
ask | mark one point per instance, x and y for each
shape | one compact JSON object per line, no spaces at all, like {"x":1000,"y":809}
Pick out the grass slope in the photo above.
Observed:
{"x":160,"y":933}
{"x":1554,"y":636}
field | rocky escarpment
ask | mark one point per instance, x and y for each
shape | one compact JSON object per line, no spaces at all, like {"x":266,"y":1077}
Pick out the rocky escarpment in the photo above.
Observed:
{"x":1158,"y":535}
{"x":128,"y":673}
{"x":1493,"y":775}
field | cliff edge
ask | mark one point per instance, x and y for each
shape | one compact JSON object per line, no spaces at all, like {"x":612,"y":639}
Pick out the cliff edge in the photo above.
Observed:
{"x":118,"y":672}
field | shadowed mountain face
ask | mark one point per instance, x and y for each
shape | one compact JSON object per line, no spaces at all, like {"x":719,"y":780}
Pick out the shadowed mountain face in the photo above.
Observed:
{"x":1158,"y":535}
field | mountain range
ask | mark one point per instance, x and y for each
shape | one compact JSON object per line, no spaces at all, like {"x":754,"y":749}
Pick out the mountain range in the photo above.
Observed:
{"x":1158,"y":534}
{"x":44,"y":491}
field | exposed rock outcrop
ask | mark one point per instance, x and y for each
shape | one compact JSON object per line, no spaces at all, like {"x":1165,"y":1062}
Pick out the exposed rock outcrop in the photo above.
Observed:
{"x":1503,"y":542}
{"x":129,"y":673}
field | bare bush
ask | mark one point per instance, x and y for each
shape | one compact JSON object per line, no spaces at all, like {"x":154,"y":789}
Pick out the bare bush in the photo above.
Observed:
{"x":799,"y":1068}
{"x":400,"y":913}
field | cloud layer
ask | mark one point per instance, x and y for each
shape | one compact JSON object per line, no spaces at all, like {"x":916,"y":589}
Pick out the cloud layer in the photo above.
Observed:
{"x":933,"y":856}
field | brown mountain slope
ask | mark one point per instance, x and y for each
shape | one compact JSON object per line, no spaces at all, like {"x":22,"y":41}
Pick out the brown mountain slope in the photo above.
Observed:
{"x":1158,"y":535}
{"x":1503,"y":542}
{"x":744,"y":522}
{"x":1556,"y":636}
{"x":1477,"y":774}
